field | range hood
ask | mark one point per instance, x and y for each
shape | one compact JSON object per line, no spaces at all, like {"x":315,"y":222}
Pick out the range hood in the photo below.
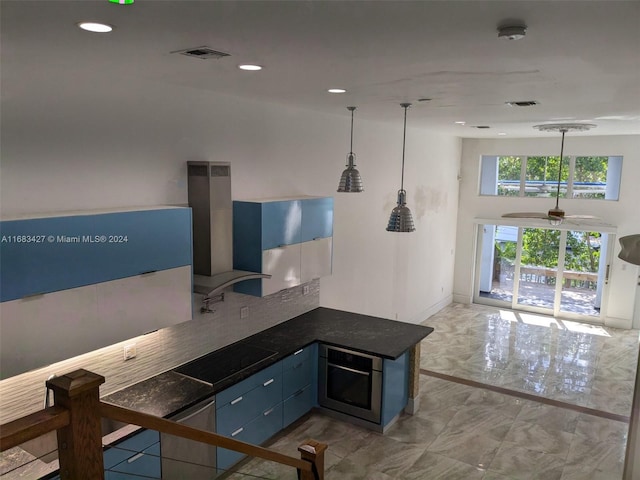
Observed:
{"x":209,"y":193}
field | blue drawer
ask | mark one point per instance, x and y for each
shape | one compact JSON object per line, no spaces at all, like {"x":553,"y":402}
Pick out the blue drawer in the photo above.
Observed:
{"x":247,"y":406}
{"x":239,"y":389}
{"x":145,"y":464}
{"x":129,"y":447}
{"x":255,"y":432}
{"x":136,"y":242}
{"x":297,"y":405}
{"x":297,"y":377}
{"x":297,"y":357}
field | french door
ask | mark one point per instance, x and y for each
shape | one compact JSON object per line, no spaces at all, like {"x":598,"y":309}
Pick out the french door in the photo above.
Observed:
{"x":556,"y":271}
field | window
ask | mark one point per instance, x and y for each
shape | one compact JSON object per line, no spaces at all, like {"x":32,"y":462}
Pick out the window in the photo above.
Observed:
{"x":595,"y":177}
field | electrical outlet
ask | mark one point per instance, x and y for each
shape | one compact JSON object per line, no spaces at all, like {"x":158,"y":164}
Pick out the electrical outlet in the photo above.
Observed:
{"x":130,"y":351}
{"x":244,"y":312}
{"x":305,"y":290}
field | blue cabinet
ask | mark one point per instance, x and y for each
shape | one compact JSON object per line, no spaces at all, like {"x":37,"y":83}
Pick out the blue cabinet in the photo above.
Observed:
{"x":42,"y":255}
{"x":250,"y":411}
{"x":300,"y":380}
{"x":395,"y":387}
{"x":290,"y":239}
{"x":97,"y":278}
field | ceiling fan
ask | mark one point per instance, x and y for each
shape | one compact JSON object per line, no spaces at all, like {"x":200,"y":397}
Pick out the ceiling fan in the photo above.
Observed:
{"x":556,"y":215}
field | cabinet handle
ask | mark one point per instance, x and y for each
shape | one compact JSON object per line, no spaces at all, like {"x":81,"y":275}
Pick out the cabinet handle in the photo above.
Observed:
{"x":32,"y":296}
{"x":135,"y":457}
{"x":298,"y":365}
{"x":269,"y":412}
{"x":268,"y":382}
{"x":237,"y":432}
{"x":237,"y":400}
{"x":299,"y":351}
{"x":298,"y":393}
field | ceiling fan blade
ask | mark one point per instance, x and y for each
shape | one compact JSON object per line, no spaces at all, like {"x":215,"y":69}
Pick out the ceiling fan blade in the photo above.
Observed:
{"x":586,"y":217}
{"x":526,"y":215}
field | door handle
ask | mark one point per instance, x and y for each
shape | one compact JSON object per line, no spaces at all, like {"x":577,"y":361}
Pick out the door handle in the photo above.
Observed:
{"x":238,"y":431}
{"x":268,"y":382}
{"x":237,"y":400}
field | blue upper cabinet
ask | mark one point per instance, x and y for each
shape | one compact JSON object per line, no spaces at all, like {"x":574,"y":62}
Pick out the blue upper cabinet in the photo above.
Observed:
{"x":281,"y":223}
{"x":50,"y":254}
{"x":317,"y":218}
{"x":270,"y":237}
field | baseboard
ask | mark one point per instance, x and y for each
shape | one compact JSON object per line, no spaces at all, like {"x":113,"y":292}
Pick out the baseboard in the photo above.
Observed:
{"x":623,"y":323}
{"x":435,"y":308}
{"x":460,"y":298}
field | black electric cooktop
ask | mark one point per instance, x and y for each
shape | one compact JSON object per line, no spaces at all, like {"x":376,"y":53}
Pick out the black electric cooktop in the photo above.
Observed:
{"x":221,"y":364}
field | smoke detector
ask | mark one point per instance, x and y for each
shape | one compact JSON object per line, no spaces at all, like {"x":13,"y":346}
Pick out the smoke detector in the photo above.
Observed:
{"x":202,"y":52}
{"x":512,"y":32}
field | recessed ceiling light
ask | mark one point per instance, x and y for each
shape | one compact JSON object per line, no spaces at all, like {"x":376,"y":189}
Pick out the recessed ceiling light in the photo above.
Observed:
{"x":336,"y":90}
{"x":460,"y":122}
{"x":250,"y":67}
{"x":501,"y":134}
{"x":95,"y":27}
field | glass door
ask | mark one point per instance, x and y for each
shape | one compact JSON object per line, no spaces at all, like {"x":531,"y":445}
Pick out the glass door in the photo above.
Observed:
{"x":517,"y":268}
{"x":581,"y":288}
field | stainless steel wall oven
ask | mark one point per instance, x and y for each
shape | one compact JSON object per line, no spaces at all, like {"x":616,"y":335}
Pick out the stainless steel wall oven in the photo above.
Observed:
{"x":350,"y":382}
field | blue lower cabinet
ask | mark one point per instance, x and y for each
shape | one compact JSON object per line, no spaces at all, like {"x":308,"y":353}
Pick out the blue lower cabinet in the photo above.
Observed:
{"x":257,"y":431}
{"x":145,"y":464}
{"x":395,"y":387}
{"x":297,"y":405}
{"x":137,"y":455}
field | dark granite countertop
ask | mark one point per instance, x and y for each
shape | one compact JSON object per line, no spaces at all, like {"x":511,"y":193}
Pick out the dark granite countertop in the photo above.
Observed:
{"x":169,"y":393}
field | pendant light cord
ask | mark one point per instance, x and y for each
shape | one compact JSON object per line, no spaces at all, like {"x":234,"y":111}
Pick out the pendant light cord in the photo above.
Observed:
{"x":560,"y":170}
{"x":404,"y":136}
{"x":351,"y":146}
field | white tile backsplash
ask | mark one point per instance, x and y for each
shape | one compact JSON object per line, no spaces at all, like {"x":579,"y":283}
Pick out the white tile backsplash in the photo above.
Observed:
{"x":164,"y":349}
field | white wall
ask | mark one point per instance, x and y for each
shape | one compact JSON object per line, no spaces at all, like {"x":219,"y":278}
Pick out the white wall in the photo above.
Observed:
{"x":623,"y":213}
{"x":127,"y":144}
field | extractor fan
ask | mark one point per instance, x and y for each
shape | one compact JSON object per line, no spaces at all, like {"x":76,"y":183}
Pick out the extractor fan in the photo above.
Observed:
{"x":556,"y":215}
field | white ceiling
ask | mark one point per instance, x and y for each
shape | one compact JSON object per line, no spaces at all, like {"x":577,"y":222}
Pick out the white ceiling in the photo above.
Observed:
{"x":579,"y":59}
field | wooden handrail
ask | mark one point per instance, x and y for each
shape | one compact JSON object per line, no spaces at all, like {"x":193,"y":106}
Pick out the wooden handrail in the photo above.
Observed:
{"x":151,"y":422}
{"x":32,"y":426}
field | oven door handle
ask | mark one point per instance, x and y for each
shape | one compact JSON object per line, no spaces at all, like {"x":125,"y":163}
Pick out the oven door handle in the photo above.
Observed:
{"x":348,"y":369}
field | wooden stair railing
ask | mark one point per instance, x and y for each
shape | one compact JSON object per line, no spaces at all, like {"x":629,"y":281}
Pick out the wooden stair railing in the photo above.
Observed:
{"x":77,"y":418}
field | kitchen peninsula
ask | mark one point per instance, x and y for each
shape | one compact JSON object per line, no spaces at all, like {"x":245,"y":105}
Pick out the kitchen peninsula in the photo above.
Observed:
{"x":290,"y":364}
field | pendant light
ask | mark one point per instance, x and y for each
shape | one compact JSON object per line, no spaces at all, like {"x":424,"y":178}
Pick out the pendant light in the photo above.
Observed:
{"x":350,"y":181}
{"x":401,"y":219}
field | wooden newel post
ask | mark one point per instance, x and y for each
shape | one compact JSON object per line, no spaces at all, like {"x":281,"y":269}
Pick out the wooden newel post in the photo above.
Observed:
{"x":79,"y":443}
{"x":313,"y":452}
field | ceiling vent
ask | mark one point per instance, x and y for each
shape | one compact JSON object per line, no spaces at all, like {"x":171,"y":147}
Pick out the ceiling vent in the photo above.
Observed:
{"x":202,"y":52}
{"x":524,"y":103}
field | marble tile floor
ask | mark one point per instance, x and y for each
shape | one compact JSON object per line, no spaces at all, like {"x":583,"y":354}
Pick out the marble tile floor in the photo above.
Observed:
{"x":561,"y":413}
{"x":460,"y":432}
{"x":581,"y":364}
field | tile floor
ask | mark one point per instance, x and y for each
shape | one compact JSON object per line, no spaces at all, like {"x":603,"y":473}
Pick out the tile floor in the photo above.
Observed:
{"x":466,"y":432}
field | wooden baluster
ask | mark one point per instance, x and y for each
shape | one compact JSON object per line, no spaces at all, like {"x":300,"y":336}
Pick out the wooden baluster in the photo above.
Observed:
{"x":313,"y":452}
{"x":79,"y":443}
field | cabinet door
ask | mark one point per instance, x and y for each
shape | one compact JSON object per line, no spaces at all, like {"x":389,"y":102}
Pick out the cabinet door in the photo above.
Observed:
{"x":145,"y":464}
{"x":297,"y":405}
{"x":132,"y":306}
{"x":316,"y":259}
{"x":317,"y":218}
{"x":281,"y":222}
{"x":283,"y":264}
{"x":36,"y":329}
{"x":85,"y":249}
